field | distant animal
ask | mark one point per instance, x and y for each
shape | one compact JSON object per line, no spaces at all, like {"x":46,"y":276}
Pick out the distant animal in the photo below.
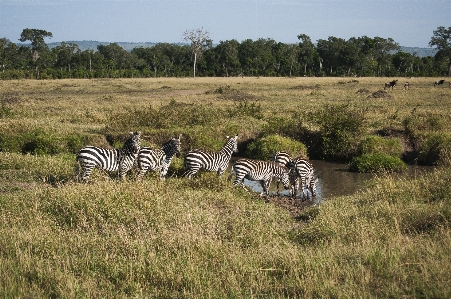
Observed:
{"x":301,"y":169}
{"x":118,"y":159}
{"x":159,"y":159}
{"x":439,"y":82}
{"x":406,"y":85}
{"x":196,"y":160}
{"x":262,"y":171}
{"x":391,"y":84}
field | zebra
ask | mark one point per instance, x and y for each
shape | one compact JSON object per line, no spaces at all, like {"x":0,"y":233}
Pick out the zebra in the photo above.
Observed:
{"x":117,"y":159}
{"x":303,"y":170}
{"x":210,"y":161}
{"x":257,"y":170}
{"x":160,"y":159}
{"x":300,"y":169}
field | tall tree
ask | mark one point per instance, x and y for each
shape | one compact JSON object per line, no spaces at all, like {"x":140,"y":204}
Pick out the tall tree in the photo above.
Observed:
{"x":306,"y":51}
{"x":382,"y":49}
{"x":227,"y":53}
{"x":200,"y":40}
{"x":36,"y":37}
{"x":442,"y":41}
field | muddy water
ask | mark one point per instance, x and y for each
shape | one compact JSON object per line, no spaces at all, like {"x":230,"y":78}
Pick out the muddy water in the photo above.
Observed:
{"x":334,"y":179}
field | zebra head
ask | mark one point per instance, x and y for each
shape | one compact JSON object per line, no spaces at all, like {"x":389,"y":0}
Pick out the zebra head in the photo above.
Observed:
{"x":232,"y":143}
{"x":285,"y":179}
{"x":311,"y":182}
{"x":173,"y":146}
{"x":133,"y":144}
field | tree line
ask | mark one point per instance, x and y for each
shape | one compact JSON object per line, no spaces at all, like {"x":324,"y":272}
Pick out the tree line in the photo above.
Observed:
{"x":357,"y":56}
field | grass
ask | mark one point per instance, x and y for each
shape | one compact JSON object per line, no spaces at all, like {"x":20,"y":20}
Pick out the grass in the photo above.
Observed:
{"x":204,"y":238}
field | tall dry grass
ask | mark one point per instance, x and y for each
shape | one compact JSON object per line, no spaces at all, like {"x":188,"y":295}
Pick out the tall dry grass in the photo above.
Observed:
{"x":204,"y":238}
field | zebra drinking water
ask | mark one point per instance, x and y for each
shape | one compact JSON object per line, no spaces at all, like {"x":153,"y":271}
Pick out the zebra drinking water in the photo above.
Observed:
{"x":300,"y":169}
{"x":158,"y":160}
{"x":262,"y":171}
{"x":118,"y":159}
{"x":196,"y":160}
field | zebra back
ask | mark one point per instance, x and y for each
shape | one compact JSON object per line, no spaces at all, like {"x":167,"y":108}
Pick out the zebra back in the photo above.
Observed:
{"x":281,"y":158}
{"x":211,"y":161}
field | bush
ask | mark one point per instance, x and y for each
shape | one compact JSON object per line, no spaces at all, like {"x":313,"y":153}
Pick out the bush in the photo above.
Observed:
{"x":263,"y":148}
{"x":341,"y":128}
{"x":376,"y":163}
{"x":436,"y":149}
{"x":376,"y":144}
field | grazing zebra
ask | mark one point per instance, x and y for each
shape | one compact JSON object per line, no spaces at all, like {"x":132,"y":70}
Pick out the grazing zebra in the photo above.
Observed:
{"x":439,"y":82}
{"x":303,"y":170}
{"x":262,"y":171}
{"x":196,"y":160}
{"x":391,"y":84}
{"x":117,"y":159}
{"x":158,"y":160}
{"x":300,"y":169}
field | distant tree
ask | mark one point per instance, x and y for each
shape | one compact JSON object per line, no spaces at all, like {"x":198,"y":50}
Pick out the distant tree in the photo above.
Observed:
{"x":36,"y":37}
{"x":65,"y":54}
{"x":200,"y":40}
{"x":331,"y":51}
{"x":382,"y":52}
{"x":227,"y":55}
{"x":442,"y":41}
{"x":307,"y":51}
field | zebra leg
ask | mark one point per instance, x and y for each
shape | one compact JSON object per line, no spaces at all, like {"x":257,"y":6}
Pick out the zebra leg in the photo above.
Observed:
{"x":86,"y":170}
{"x":142,"y":172}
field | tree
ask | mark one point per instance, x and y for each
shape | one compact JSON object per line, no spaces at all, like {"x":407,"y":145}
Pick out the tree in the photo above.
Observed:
{"x":442,"y":41}
{"x":200,"y":40}
{"x":36,"y":37}
{"x":306,"y":51}
{"x":227,"y":53}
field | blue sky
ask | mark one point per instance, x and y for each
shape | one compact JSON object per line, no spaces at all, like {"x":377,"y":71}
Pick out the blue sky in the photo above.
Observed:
{"x":409,"y":23}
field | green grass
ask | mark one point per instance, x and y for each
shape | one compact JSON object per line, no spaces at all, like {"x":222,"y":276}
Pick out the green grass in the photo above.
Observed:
{"x":203,"y":238}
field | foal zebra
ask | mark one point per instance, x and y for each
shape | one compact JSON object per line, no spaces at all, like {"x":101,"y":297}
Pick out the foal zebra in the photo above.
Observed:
{"x":262,"y":171}
{"x":196,"y":160}
{"x":159,"y":159}
{"x":118,"y":159}
{"x":300,"y":169}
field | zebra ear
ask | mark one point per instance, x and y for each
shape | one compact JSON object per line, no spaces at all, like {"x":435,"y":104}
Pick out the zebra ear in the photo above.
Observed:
{"x":180,"y":136}
{"x":227,"y":137}
{"x":139,"y":133}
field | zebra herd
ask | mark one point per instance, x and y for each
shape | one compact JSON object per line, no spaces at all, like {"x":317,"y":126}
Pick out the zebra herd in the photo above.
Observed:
{"x":289,"y":171}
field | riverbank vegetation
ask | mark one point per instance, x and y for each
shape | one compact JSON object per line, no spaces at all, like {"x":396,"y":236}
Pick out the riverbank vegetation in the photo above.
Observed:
{"x":201,"y":238}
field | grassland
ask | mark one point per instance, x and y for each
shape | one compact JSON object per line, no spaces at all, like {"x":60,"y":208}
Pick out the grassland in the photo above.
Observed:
{"x":203,"y":238}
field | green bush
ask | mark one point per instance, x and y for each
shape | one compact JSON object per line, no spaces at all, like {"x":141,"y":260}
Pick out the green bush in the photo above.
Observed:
{"x":376,"y":144}
{"x":264,"y":147}
{"x":417,"y":123}
{"x":341,"y":128}
{"x":436,"y":149}
{"x":376,"y":163}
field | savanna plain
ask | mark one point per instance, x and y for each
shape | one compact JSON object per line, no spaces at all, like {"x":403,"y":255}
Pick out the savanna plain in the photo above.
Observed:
{"x":205,"y":238}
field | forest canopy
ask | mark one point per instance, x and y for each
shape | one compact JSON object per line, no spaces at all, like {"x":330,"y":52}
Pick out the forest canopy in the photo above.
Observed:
{"x":357,"y":56}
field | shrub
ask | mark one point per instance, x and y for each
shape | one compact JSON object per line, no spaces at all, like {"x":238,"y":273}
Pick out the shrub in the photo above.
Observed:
{"x":341,"y":128}
{"x":264,"y":147}
{"x":376,"y":163}
{"x":436,"y":149}
{"x":376,"y":144}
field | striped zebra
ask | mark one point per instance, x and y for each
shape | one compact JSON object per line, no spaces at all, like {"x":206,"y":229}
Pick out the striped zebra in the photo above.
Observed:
{"x":159,"y":159}
{"x":196,"y":160}
{"x":300,"y":169}
{"x":262,"y":171}
{"x":117,"y":159}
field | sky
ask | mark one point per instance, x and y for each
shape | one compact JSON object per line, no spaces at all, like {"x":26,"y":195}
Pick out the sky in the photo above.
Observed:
{"x":409,"y":23}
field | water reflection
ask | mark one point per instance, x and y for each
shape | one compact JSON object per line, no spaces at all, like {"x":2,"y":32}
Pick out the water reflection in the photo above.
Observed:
{"x":334,"y":179}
